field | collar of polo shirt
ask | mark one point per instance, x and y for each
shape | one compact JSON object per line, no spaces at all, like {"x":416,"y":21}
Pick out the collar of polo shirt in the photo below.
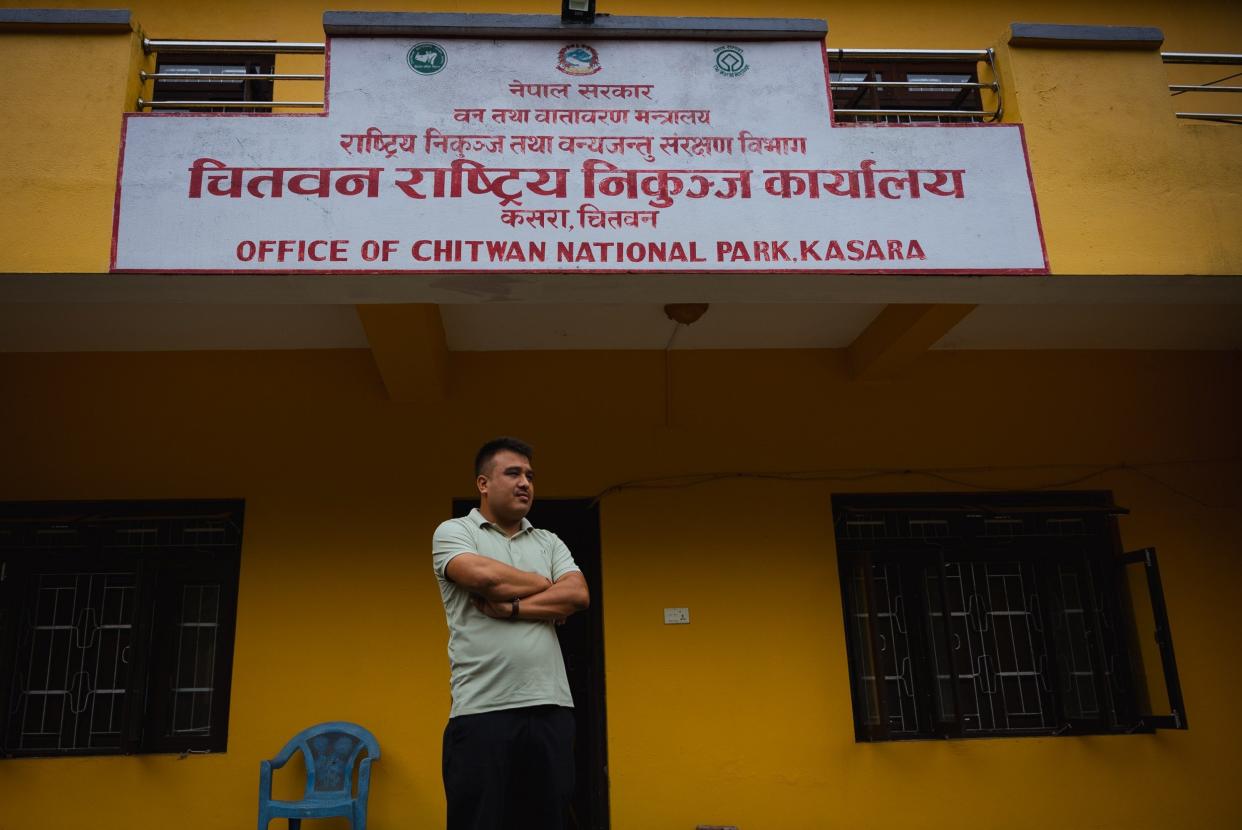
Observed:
{"x":477,"y":516}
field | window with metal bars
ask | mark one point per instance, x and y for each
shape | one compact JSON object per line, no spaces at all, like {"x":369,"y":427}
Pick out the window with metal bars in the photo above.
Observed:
{"x":995,"y":615}
{"x":116,"y":626}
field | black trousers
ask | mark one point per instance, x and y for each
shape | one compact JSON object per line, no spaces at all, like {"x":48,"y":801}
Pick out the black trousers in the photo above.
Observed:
{"x":509,"y":770}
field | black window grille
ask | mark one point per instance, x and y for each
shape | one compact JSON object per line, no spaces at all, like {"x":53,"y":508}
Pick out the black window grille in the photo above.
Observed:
{"x":116,"y":626}
{"x":192,"y":85}
{"x":990,"y":615}
{"x":872,"y":96}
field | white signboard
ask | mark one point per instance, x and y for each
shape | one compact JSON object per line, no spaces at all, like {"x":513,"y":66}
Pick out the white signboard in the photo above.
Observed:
{"x":459,"y":155}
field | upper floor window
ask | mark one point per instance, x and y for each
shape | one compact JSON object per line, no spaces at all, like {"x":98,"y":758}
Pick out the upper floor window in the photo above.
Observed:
{"x":905,"y":85}
{"x":207,"y":77}
{"x":116,"y":626}
{"x":978,"y":615}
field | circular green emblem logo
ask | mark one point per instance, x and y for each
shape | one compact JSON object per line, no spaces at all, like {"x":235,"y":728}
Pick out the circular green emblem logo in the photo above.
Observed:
{"x":730,"y":61}
{"x":426,"y":58}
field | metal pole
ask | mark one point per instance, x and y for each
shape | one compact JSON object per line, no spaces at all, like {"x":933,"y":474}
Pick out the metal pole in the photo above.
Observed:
{"x":898,"y":54}
{"x":238,"y":46}
{"x":930,"y":113}
{"x":1202,"y":88}
{"x":920,"y":84}
{"x":223,"y":76}
{"x":1224,"y":58}
{"x":1225,"y":117}
{"x":225,"y":104}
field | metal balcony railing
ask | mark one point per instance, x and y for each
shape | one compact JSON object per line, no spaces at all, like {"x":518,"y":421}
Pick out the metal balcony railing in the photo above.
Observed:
{"x":222,"y":80}
{"x":960,"y":99}
{"x":874,"y":91}
{"x":1213,"y":86}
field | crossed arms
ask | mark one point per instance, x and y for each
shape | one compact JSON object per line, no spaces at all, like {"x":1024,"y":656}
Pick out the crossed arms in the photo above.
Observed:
{"x":494,"y":584}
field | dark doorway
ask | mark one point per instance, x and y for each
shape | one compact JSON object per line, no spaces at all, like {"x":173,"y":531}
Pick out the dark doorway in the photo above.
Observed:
{"x":576,"y":521}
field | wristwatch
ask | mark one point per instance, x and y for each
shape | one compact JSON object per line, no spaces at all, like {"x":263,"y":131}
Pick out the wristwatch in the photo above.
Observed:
{"x":513,"y":614}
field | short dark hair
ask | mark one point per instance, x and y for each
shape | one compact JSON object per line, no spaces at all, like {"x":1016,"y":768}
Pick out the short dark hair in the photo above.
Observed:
{"x":488,"y":451}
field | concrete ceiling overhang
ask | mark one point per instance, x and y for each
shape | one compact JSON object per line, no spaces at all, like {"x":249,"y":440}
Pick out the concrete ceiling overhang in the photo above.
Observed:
{"x":412,"y":324}
{"x":198,"y":325}
{"x":605,"y":289}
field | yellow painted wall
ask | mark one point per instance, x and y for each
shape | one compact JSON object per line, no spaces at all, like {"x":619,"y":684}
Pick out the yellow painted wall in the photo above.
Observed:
{"x":1123,"y":186}
{"x":744,"y":716}
{"x":62,"y":98}
{"x":741,"y":717}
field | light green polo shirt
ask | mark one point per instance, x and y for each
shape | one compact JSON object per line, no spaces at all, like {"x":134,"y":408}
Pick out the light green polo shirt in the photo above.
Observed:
{"x":500,"y":664}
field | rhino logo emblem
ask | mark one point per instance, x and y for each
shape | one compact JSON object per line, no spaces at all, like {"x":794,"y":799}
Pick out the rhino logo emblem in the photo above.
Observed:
{"x":426,"y":58}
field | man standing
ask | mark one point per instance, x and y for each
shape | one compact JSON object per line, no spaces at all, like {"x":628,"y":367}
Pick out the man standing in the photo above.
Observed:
{"x":508,"y":748}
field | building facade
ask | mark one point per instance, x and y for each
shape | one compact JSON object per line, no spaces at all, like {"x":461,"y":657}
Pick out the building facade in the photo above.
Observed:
{"x":870,"y":543}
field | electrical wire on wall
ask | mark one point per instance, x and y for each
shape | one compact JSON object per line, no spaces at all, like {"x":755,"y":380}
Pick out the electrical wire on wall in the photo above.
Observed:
{"x":682,"y":314}
{"x":668,"y":375}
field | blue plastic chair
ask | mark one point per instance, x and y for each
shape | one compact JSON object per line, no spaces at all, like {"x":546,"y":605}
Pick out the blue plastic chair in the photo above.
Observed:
{"x":330,"y":750}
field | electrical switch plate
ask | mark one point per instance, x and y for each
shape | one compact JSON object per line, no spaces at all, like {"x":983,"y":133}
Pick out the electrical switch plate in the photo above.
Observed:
{"x":676,"y":616}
